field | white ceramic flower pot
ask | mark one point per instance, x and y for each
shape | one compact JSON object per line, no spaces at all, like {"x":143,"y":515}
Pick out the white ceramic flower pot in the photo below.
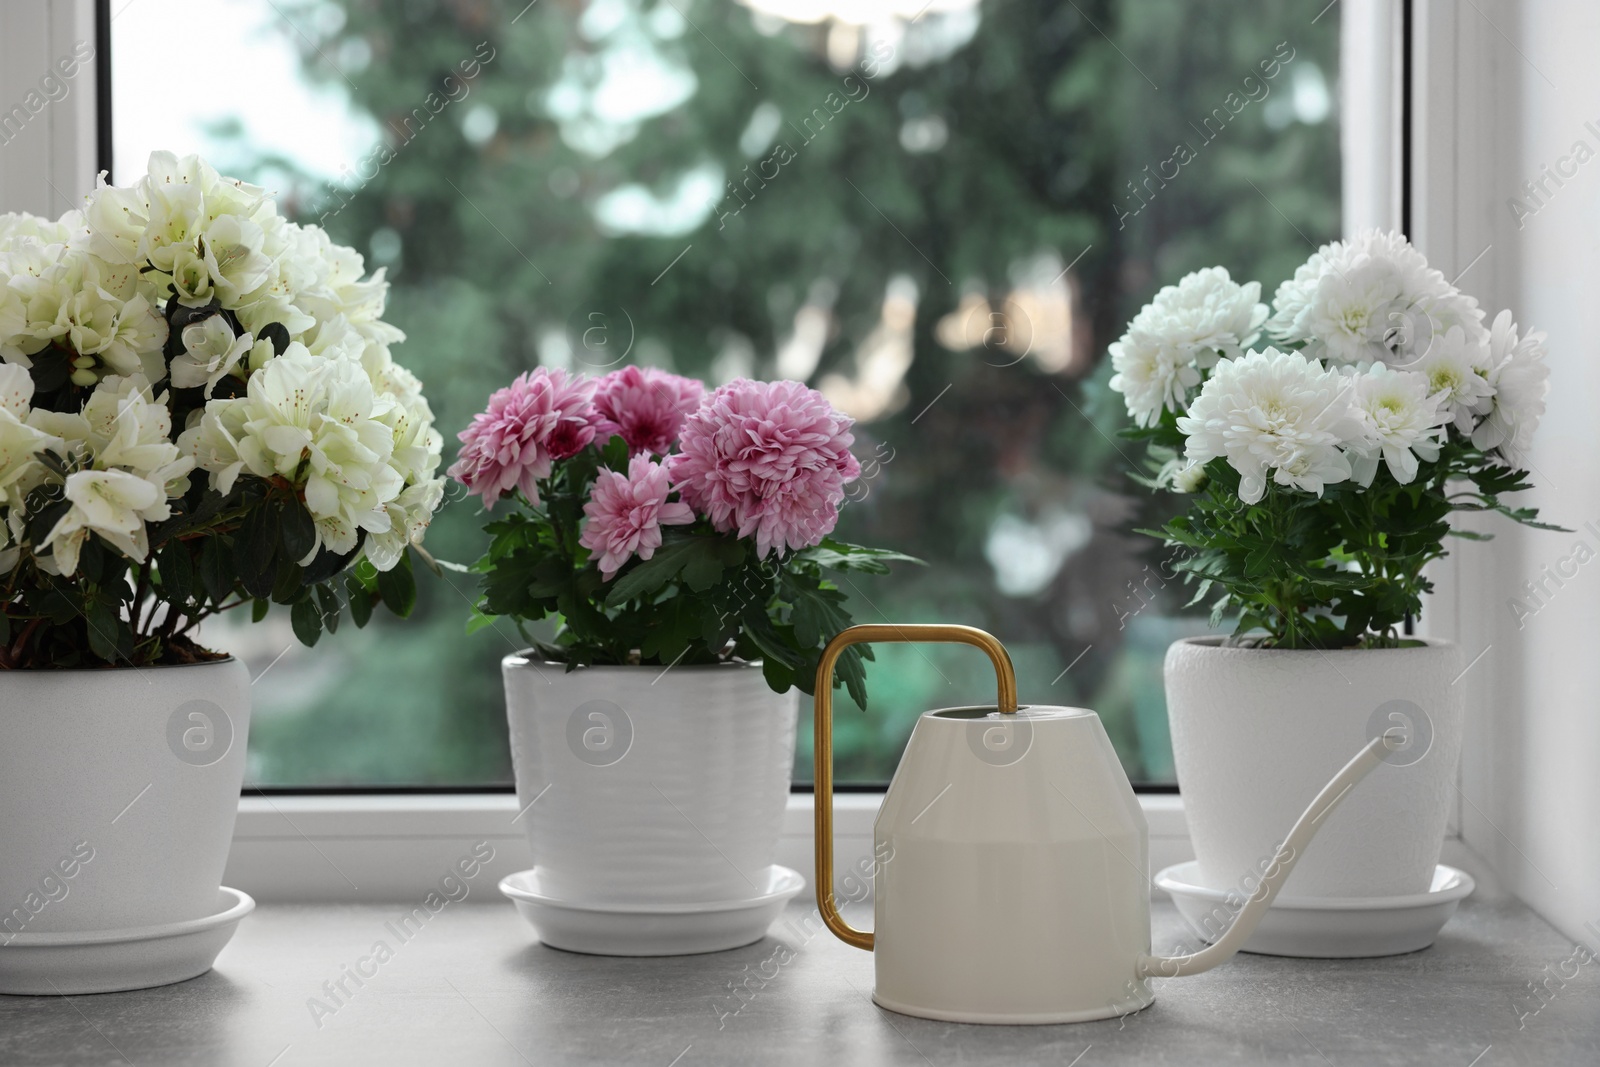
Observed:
{"x":638,"y":785}
{"x":120,"y":789}
{"x":1256,"y":732}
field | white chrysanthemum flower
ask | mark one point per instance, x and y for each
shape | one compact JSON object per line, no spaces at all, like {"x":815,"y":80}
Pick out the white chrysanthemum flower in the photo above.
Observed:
{"x":1405,"y":422}
{"x":1274,"y":413}
{"x":114,"y":504}
{"x":1348,"y":315}
{"x":1372,"y":297}
{"x":1521,"y":380}
{"x":1151,"y":379}
{"x":1457,"y":366}
{"x":1182,"y":475}
{"x":1187,"y":327}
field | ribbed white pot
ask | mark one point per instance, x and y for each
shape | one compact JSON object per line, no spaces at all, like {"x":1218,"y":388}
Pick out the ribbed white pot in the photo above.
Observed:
{"x":639,"y":785}
{"x":118,"y":792}
{"x":1257,"y":732}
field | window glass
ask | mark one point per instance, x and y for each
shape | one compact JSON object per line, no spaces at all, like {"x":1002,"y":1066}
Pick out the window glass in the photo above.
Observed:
{"x":940,"y":214}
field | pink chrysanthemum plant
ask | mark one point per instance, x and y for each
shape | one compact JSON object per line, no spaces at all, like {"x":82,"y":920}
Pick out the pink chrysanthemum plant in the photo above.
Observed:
{"x":658,"y":524}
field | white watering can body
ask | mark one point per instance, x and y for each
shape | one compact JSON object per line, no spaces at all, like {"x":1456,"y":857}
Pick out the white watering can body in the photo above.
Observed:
{"x":1012,"y":882}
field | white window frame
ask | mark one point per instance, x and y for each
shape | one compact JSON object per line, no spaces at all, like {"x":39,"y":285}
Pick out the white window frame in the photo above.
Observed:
{"x":379,"y":847}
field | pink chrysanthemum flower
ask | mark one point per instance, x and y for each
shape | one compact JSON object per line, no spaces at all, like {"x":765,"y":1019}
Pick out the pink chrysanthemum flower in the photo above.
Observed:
{"x":646,"y":407}
{"x":768,"y":458}
{"x":626,"y":513}
{"x":543,"y":416}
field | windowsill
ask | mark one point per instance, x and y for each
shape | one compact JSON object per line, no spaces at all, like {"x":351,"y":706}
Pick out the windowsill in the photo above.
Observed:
{"x":372,"y":847}
{"x":473,"y":986}
{"x":377,"y":847}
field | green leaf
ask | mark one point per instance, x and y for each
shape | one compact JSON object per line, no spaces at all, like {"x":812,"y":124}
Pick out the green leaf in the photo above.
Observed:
{"x":843,"y":556}
{"x":650,"y":575}
{"x":259,"y":609}
{"x":770,"y":638}
{"x":703,"y":569}
{"x":328,"y":599}
{"x":175,"y":568}
{"x":398,"y":587}
{"x":360,"y":601}
{"x":306,"y":620}
{"x":327,"y":565}
{"x":779,"y":677}
{"x":110,"y":638}
{"x":257,"y":538}
{"x":216,"y":569}
{"x":853,"y":672}
{"x":296,"y":530}
{"x":288,"y":582}
{"x":44,"y":520}
{"x":614,"y":454}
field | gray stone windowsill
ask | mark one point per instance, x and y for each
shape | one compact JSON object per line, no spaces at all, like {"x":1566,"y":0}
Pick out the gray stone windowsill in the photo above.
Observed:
{"x":474,"y":987}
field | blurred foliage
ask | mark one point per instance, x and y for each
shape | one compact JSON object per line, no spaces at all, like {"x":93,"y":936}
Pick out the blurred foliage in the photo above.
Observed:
{"x":987,"y":140}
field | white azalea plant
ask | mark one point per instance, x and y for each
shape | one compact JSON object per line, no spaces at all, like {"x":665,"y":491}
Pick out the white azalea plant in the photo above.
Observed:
{"x":1327,"y":439}
{"x":198,"y":411}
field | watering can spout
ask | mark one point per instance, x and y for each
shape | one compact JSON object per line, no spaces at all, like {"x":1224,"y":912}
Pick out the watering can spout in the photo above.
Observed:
{"x":1255,"y":909}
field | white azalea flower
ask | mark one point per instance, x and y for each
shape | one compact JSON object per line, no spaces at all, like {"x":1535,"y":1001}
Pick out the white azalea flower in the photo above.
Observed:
{"x":409,"y":516}
{"x":57,"y":294}
{"x":1275,"y":413}
{"x":17,"y":225}
{"x":113,"y":504}
{"x":33,"y":288}
{"x":211,"y":352}
{"x":329,"y":288}
{"x":1185,"y":329}
{"x":131,"y":429}
{"x":1457,"y":366}
{"x":417,"y":444}
{"x":109,"y":323}
{"x":333,"y":416}
{"x":20,"y":469}
{"x":316,"y":423}
{"x":1521,"y":380}
{"x":1405,"y":422}
{"x":211,"y":440}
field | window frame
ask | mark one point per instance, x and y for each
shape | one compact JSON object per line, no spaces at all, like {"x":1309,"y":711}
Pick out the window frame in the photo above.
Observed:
{"x":393,"y":843}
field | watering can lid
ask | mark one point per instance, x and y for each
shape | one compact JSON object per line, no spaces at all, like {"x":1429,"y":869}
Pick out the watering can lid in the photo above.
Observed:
{"x":1030,"y":712}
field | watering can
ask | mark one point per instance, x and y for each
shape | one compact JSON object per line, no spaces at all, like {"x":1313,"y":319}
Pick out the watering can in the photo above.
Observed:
{"x":1012,"y":880}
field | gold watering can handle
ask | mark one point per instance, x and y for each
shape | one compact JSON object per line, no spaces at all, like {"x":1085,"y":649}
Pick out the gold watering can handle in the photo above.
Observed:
{"x":909,"y":633}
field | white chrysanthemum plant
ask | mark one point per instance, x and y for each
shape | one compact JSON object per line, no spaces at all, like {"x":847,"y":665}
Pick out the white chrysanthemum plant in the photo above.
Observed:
{"x":1326,"y":440}
{"x":198,"y":411}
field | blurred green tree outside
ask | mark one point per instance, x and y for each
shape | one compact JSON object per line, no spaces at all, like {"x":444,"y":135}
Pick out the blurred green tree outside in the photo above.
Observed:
{"x":942,"y":222}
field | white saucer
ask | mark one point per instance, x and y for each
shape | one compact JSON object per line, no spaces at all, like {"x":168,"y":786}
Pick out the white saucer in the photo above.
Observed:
{"x":1325,"y":927}
{"x":106,"y":961}
{"x":652,"y":930}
